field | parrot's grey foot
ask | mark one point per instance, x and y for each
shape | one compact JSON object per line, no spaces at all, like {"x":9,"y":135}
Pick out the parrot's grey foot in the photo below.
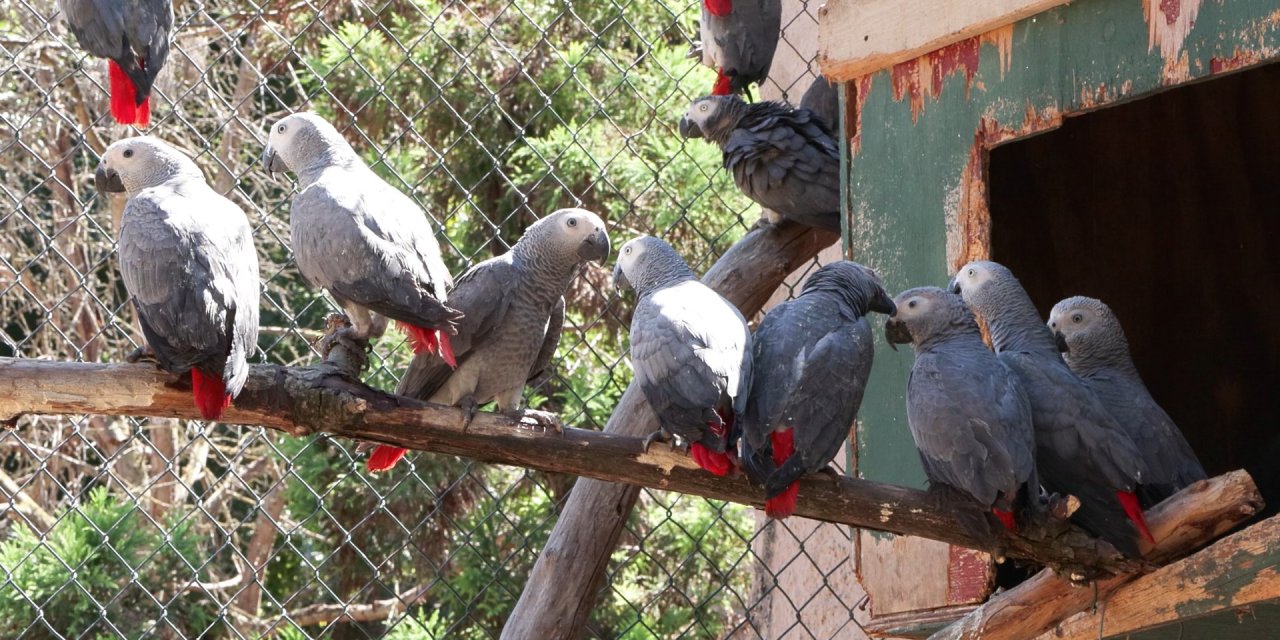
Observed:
{"x":831,"y":471}
{"x":342,"y":346}
{"x":142,"y":354}
{"x":469,"y":408}
{"x":544,"y":419}
{"x":656,"y":436}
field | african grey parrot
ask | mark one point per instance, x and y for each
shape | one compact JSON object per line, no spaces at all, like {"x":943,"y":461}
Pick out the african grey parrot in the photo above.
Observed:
{"x":514,"y":306}
{"x":739,"y":38}
{"x":134,"y":37}
{"x":811,"y":359}
{"x":1096,"y":350}
{"x":969,"y":417}
{"x":823,"y":98}
{"x":1080,"y":449}
{"x":690,"y":349}
{"x":785,"y":159}
{"x":189,"y":265}
{"x":367,"y":243}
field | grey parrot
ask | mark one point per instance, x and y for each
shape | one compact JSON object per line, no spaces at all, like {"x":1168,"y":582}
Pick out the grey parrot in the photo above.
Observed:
{"x":784,"y":159}
{"x":189,"y":265}
{"x":739,"y":38}
{"x":823,"y":98}
{"x":690,"y":349}
{"x":968,"y":414}
{"x":514,"y":306}
{"x":1096,"y":350}
{"x":368,"y":244}
{"x":1080,"y":449}
{"x":134,"y":38}
{"x":811,"y":359}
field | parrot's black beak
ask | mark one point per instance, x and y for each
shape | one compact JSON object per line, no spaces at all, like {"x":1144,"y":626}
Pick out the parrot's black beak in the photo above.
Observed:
{"x":883,"y":304}
{"x":954,"y":286}
{"x":689,"y":129}
{"x":595,"y":247}
{"x":272,"y":162}
{"x":620,"y":279}
{"x":1061,"y":341}
{"x":107,"y":180}
{"x":896,"y":332}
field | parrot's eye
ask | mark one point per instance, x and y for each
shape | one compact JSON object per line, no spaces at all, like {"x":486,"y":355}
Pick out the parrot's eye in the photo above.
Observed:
{"x":128,"y":153}
{"x":1077,"y":318}
{"x":971,"y":273}
{"x":627,"y":251}
{"x":573,"y":222}
{"x":702,"y":108}
{"x":281,"y":128}
{"x":911,"y":305}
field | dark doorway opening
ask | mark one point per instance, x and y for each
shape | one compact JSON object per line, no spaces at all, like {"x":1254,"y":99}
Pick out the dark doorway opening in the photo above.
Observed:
{"x":1168,"y":209}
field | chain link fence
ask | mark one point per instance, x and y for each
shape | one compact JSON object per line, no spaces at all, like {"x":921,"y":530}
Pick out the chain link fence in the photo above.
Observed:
{"x":490,"y":115}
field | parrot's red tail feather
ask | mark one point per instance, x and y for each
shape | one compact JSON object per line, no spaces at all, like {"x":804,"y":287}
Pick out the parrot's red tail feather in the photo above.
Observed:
{"x":783,"y":445}
{"x":1129,"y":501}
{"x":1006,"y":519}
{"x":124,"y":98}
{"x":210,"y":394}
{"x":718,"y":8}
{"x":430,"y":341}
{"x":383,"y":458}
{"x":722,"y":87}
{"x":784,"y":504}
{"x":719,"y":464}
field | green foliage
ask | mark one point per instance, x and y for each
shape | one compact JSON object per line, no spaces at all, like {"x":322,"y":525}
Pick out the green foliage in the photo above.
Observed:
{"x":104,"y":559}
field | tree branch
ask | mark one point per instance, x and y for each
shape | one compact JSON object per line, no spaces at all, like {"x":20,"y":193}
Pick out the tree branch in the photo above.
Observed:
{"x":304,"y":401}
{"x":376,"y":610}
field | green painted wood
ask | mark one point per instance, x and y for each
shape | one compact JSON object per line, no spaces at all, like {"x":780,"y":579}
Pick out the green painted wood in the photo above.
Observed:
{"x":1254,"y":623}
{"x":908,"y":172}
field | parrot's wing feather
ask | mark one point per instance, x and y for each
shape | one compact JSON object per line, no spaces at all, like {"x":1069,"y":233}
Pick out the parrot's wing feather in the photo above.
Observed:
{"x":367,"y":246}
{"x":841,"y":361}
{"x":555,"y":327}
{"x":484,"y":294}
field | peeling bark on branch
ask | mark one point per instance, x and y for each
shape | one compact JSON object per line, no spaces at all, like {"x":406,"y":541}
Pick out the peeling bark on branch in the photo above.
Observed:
{"x":1181,"y":524}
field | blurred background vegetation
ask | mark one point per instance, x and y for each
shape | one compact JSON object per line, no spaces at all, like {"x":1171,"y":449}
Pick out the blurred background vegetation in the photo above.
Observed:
{"x":490,"y":115}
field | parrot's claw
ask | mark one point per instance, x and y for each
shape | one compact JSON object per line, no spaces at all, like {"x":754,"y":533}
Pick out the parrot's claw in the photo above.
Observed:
{"x":656,"y":436}
{"x":544,"y":419}
{"x":142,"y":354}
{"x":469,"y":408}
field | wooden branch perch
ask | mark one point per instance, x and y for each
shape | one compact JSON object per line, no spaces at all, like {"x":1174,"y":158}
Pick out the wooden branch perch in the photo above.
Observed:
{"x":318,"y":399}
{"x":1181,"y":524}
{"x":1240,"y":570}
{"x":376,"y":610}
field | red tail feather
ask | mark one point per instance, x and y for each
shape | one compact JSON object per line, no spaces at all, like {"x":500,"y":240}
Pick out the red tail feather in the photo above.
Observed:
{"x":383,"y":458}
{"x":1129,"y":501}
{"x":210,"y":394}
{"x":719,"y":464}
{"x":722,"y":87}
{"x":718,"y":8}
{"x":1006,"y":519}
{"x":124,"y":98}
{"x":430,"y":341}
{"x":783,"y":504}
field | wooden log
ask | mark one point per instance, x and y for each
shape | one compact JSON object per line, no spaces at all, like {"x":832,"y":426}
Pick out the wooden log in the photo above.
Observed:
{"x":319,"y":399}
{"x":565,"y":580}
{"x":1181,"y":524}
{"x":1240,"y":570}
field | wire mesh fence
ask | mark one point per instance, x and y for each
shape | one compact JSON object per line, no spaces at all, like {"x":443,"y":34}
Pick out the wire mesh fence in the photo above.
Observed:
{"x":490,"y":115}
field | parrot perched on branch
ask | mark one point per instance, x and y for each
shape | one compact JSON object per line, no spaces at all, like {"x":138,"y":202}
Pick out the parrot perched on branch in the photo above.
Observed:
{"x":189,"y":266}
{"x":133,"y":36}
{"x":739,"y":38}
{"x":1096,"y":349}
{"x":812,"y":357}
{"x":514,"y":313}
{"x":785,"y":159}
{"x":969,"y":417}
{"x":1080,"y":449}
{"x":690,"y":349}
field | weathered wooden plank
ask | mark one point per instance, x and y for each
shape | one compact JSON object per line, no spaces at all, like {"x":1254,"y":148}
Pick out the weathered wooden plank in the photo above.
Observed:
{"x":1241,"y":570}
{"x":1041,"y":602}
{"x":858,"y":37}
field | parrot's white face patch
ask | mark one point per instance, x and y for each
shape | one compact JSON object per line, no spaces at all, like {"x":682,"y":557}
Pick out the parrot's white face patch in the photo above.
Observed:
{"x":701,"y":112}
{"x":630,"y":255}
{"x":972,"y":276}
{"x":280,"y":139}
{"x":1072,"y":320}
{"x":913,"y":306}
{"x":140,"y":161}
